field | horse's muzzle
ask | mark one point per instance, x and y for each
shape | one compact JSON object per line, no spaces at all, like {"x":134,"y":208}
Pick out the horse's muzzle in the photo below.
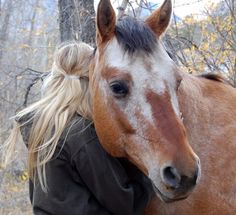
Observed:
{"x":176,"y":186}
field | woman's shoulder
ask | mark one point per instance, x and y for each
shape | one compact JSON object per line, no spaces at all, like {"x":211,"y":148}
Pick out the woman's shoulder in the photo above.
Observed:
{"x":78,"y":133}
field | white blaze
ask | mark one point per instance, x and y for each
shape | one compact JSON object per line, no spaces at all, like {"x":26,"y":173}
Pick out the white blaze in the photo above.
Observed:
{"x":159,"y":78}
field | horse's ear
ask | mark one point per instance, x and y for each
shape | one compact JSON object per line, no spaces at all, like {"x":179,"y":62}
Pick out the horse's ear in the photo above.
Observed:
{"x":160,"y":19}
{"x":106,"y":20}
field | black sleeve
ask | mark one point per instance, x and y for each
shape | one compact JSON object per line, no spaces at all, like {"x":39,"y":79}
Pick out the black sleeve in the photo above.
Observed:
{"x":106,"y":178}
{"x":138,"y":179}
{"x":65,"y":196}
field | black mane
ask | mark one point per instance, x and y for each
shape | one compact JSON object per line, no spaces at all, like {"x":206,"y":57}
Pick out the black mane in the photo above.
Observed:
{"x":215,"y":77}
{"x":134,"y":35}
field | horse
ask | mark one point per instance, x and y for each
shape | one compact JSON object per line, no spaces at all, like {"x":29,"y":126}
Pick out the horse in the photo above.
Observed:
{"x":147,"y":110}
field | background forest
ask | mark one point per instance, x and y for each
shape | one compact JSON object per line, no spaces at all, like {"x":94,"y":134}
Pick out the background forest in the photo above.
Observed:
{"x":200,"y":42}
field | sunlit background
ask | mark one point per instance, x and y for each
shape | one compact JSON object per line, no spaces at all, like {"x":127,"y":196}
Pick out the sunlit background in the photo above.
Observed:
{"x":182,"y":8}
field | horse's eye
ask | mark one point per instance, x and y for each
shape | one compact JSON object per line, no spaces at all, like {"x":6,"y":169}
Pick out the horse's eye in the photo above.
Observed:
{"x":119,"y":88}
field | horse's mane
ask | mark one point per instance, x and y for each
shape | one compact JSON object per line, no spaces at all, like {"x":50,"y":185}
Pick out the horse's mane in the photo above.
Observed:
{"x":215,"y":77}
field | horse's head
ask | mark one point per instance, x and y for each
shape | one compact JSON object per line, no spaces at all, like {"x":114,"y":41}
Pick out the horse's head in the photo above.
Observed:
{"x":135,"y":107}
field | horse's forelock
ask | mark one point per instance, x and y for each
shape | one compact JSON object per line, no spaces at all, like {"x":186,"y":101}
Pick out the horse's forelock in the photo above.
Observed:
{"x":134,"y":35}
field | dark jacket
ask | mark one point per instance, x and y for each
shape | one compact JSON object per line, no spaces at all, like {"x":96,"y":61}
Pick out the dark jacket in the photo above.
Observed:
{"x":83,"y":179}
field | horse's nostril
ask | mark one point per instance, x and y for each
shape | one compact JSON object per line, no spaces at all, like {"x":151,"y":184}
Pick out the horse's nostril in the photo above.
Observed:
{"x":188,"y":183}
{"x":171,"y":177}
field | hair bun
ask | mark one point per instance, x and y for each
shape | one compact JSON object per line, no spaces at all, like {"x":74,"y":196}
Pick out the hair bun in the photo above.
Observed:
{"x":73,"y":58}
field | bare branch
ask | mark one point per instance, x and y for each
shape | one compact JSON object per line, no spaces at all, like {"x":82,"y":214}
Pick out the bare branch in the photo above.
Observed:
{"x":121,"y":9}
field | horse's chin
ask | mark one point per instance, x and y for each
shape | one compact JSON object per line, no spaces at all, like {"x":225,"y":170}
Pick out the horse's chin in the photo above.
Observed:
{"x":166,"y":199}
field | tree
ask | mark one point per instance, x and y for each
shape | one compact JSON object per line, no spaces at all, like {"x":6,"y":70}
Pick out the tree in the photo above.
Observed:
{"x":77,"y":20}
{"x":5,"y":26}
{"x":208,"y":44}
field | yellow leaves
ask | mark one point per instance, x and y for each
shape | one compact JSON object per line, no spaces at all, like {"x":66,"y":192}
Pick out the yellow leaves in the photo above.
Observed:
{"x":14,"y":188}
{"x":189,"y":20}
{"x":201,"y":66}
{"x":24,"y":46}
{"x":15,"y":183}
{"x":24,"y":176}
{"x":39,"y":32}
{"x":228,"y":19}
{"x":24,"y":31}
{"x":193,"y":49}
{"x":212,"y":38}
{"x":228,"y":24}
{"x":204,"y":46}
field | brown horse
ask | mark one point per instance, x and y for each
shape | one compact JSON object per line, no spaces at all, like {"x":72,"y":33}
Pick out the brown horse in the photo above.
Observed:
{"x":135,"y":107}
{"x":148,"y":111}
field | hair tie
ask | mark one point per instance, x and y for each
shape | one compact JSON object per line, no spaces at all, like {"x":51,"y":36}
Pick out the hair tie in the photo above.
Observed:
{"x":75,"y":77}
{"x":72,"y":77}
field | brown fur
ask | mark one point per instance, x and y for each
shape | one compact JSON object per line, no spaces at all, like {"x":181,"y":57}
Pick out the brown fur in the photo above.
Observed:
{"x":111,"y":73}
{"x":163,"y":114}
{"x":210,"y":120}
{"x":171,"y":127}
{"x":160,"y":18}
{"x":106,"y":20}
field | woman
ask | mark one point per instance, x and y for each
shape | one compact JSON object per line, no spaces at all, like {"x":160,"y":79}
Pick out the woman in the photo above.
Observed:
{"x":70,"y":173}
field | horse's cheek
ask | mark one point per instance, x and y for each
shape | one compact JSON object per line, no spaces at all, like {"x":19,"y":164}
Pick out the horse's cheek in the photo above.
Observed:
{"x":107,"y":130}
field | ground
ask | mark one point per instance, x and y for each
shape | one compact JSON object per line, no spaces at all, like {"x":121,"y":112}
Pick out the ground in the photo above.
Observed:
{"x":14,"y":197}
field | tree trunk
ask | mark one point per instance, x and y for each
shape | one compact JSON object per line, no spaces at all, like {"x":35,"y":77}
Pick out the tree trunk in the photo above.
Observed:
{"x":5,"y":27}
{"x":77,"y":20}
{"x":32,"y":23}
{"x":86,"y":16}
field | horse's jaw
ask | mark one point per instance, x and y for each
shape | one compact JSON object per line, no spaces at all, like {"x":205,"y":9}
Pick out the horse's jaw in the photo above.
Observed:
{"x":150,"y":159}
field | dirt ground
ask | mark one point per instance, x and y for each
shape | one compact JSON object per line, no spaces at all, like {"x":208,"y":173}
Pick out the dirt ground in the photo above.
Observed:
{"x":14,"y":197}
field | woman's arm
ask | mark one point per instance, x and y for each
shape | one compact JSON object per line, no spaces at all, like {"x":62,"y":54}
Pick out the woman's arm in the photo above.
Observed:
{"x":107,"y":179}
{"x":66,"y":194}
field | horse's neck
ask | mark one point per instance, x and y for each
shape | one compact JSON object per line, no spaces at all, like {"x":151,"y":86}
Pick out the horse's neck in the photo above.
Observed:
{"x":208,"y":107}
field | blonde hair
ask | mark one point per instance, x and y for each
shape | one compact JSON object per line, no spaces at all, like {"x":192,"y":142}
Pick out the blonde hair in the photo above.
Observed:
{"x":65,"y":93}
